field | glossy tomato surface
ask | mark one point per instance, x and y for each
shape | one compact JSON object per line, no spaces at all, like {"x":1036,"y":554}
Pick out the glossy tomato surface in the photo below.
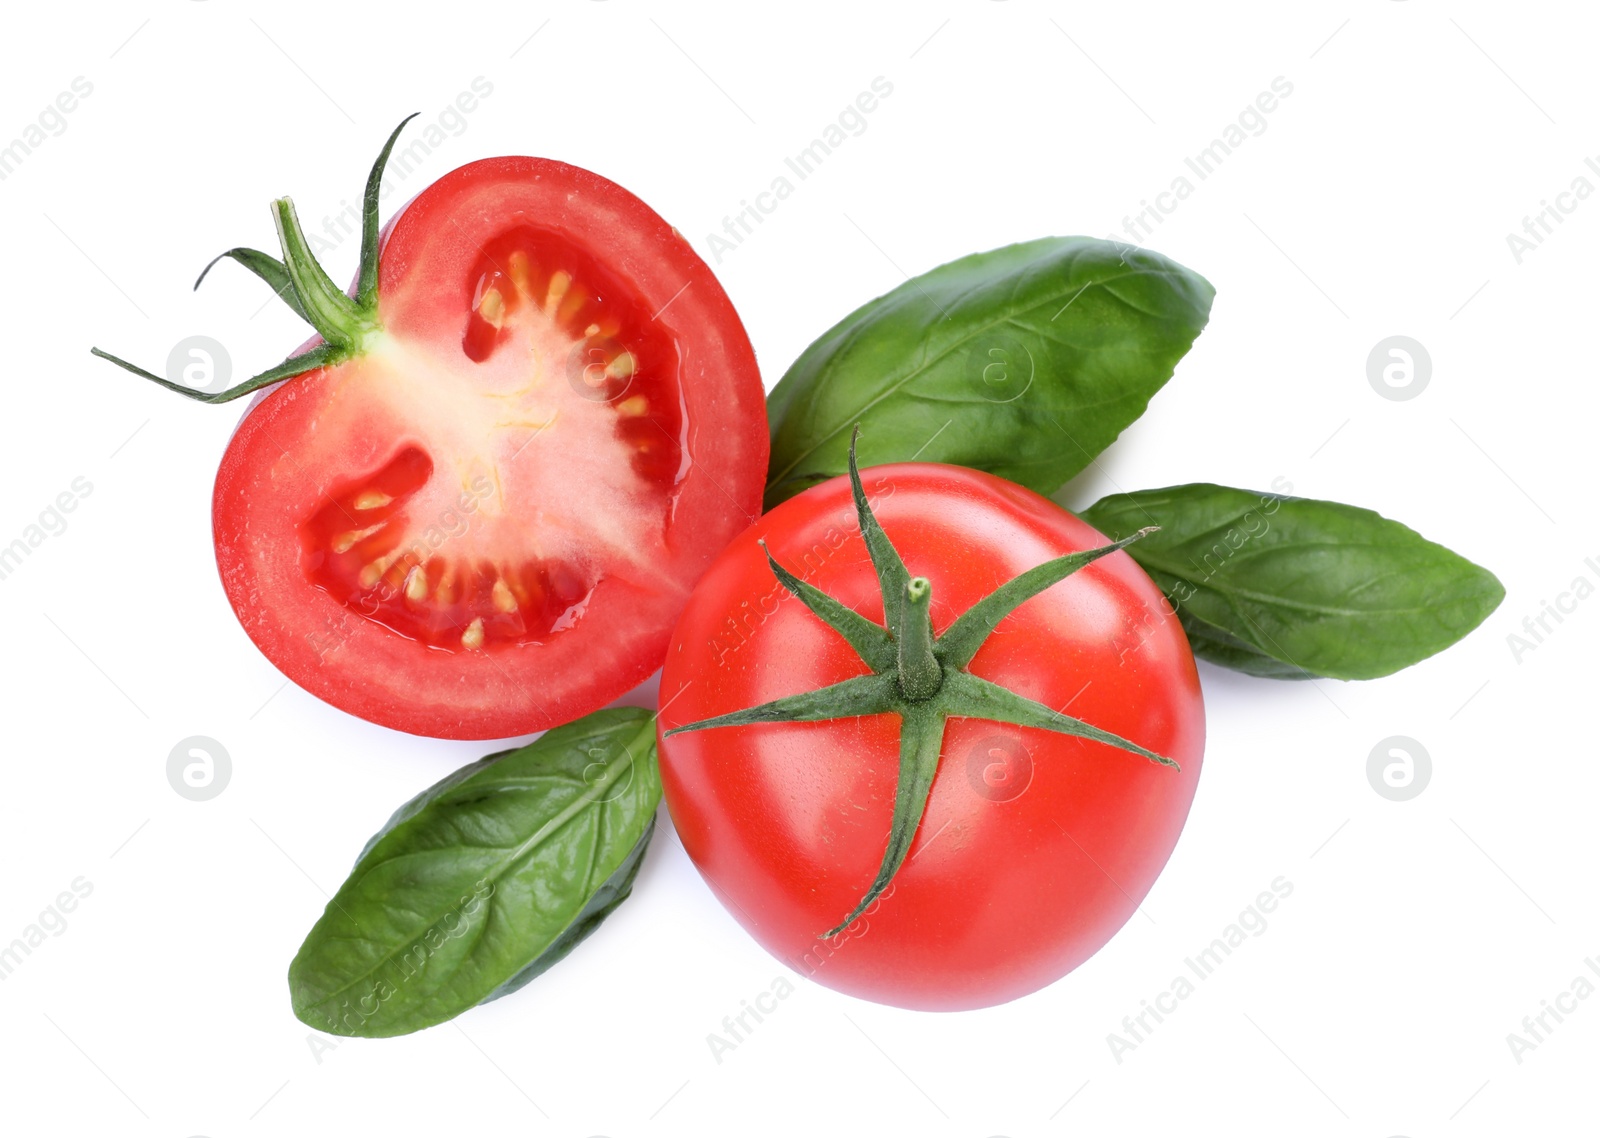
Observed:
{"x":486,"y":522}
{"x":1035,"y":847}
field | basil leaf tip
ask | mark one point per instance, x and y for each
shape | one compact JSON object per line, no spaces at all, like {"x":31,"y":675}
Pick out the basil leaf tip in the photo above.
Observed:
{"x":1294,"y":588}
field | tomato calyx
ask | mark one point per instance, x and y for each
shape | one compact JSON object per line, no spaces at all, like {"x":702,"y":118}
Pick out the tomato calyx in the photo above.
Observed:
{"x":345,"y":323}
{"x":918,"y":676}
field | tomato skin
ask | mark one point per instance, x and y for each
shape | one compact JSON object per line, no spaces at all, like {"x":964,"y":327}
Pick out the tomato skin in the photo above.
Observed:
{"x":1008,"y":886}
{"x":336,"y":422}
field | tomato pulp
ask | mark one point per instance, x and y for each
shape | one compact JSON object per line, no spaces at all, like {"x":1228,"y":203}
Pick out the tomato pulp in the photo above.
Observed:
{"x":484,"y":521}
{"x":1035,"y":847}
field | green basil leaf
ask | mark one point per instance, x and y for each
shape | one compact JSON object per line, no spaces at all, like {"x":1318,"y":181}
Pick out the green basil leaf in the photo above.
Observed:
{"x":1027,"y":362}
{"x":484,"y":880}
{"x":1294,"y":587}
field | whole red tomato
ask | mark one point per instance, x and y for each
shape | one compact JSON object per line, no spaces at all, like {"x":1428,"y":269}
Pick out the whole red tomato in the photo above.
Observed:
{"x":1034,"y":847}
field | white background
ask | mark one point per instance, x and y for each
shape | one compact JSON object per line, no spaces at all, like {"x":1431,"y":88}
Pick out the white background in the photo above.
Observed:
{"x":1377,"y":202}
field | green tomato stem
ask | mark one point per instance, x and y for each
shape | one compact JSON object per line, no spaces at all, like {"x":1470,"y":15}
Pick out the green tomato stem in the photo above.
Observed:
{"x":344,"y":323}
{"x":920,"y":671}
{"x":334,"y":315}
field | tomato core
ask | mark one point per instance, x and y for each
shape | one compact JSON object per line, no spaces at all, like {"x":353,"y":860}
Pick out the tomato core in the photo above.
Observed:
{"x":552,"y":338}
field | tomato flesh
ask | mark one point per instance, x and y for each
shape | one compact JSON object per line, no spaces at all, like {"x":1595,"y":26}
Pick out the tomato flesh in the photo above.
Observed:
{"x":1035,"y":846}
{"x":546,"y":309}
{"x":532,"y":284}
{"x":485,"y":523}
{"x":359,"y":549}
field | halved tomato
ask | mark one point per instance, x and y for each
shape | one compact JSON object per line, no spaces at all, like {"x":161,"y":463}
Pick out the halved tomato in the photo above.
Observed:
{"x":480,"y":513}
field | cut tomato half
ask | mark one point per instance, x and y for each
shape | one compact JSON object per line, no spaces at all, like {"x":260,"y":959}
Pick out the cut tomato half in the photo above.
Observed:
{"x":480,"y":511}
